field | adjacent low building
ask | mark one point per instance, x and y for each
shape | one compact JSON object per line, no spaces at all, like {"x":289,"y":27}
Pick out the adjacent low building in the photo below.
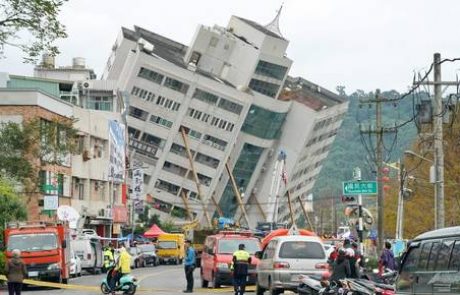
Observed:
{"x":91,"y":105}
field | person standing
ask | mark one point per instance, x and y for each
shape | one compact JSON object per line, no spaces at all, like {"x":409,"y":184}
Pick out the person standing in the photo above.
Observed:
{"x":189,"y":265}
{"x":15,"y":271}
{"x":241,"y":261}
{"x":108,"y":258}
{"x":387,"y":259}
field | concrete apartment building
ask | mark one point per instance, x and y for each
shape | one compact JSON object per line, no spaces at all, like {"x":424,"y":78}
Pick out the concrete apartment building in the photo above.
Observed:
{"x":230,"y":92}
{"x":92,"y":104}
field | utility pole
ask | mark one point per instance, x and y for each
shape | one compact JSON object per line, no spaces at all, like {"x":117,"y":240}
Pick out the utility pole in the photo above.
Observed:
{"x":400,"y":210}
{"x":438,"y":111}
{"x":438,"y":144}
{"x":379,"y":131}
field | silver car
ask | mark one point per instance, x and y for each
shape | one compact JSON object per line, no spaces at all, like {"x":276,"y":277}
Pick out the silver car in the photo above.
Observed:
{"x":286,"y":258}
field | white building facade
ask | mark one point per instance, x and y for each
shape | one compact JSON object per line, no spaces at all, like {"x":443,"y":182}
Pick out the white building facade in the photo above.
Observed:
{"x":225,"y":92}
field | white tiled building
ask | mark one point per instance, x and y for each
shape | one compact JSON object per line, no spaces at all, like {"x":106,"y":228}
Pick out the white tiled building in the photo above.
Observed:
{"x":226,"y":90}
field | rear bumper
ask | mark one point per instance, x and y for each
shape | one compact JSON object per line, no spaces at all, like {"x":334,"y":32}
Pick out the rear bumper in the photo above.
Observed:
{"x":289,"y":280}
{"x":45,"y":275}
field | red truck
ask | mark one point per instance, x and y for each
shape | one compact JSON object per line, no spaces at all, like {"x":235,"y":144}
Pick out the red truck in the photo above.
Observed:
{"x":44,"y":248}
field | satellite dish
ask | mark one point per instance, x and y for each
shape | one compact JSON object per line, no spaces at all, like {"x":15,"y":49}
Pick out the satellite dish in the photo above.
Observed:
{"x":68,"y":214}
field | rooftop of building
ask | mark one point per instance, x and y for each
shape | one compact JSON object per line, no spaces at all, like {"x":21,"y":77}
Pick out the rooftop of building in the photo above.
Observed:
{"x":310,"y":94}
{"x":167,"y":49}
{"x":261,"y":28}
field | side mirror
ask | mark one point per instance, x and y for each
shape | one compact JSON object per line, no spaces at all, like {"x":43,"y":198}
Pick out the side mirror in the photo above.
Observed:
{"x":64,"y":244}
{"x":210,"y":252}
{"x":259,"y":254}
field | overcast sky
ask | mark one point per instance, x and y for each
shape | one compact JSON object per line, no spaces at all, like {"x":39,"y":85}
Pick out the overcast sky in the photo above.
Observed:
{"x":362,"y":44}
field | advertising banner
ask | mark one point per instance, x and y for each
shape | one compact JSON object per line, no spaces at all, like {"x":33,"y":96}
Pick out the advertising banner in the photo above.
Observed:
{"x":116,"y":151}
{"x":137,"y":187}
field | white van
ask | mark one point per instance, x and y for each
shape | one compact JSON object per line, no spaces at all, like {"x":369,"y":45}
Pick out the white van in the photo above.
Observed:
{"x":286,"y":258}
{"x":89,"y":250}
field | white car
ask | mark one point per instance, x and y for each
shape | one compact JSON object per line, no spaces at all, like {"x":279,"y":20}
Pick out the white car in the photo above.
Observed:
{"x":75,"y":265}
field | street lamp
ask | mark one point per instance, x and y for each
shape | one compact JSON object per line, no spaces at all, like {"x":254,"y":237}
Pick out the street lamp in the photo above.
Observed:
{"x":412,"y":153}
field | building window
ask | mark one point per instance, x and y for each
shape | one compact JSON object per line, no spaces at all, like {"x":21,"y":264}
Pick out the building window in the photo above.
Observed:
{"x":161,"y":121}
{"x":243,"y":170}
{"x":205,"y":96}
{"x":100,"y":103}
{"x":133,"y":132}
{"x":176,"y":85}
{"x":167,"y":103}
{"x":167,"y":186}
{"x":150,"y":75}
{"x":207,"y":160}
{"x":266,"y":88}
{"x":175,"y":169}
{"x":213,"y":42}
{"x":215,"y":142}
{"x":263,"y":123}
{"x":192,"y":133}
{"x":151,"y":139}
{"x":138,"y":113}
{"x":230,"y":106}
{"x":271,"y":70}
{"x":143,"y":94}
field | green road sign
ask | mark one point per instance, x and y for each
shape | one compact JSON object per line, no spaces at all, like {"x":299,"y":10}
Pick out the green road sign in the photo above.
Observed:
{"x":359,"y":188}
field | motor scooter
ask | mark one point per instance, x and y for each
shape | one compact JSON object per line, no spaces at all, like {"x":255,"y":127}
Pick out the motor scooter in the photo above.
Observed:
{"x":127,"y":284}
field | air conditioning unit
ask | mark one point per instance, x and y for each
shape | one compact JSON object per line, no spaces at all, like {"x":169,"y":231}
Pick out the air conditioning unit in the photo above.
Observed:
{"x":86,"y":155}
{"x":263,"y":169}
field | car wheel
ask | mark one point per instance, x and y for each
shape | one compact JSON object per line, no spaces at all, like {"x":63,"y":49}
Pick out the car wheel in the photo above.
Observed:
{"x":259,"y":290}
{"x":215,"y":281}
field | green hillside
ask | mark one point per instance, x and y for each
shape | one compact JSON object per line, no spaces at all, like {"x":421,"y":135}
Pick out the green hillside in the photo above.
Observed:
{"x":348,"y":150}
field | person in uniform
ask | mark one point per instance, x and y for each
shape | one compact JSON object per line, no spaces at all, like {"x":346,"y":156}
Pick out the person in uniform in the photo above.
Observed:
{"x":108,"y":257}
{"x":241,"y":261}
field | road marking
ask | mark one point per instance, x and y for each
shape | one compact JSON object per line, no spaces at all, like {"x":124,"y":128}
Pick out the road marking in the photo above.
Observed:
{"x":97,"y":288}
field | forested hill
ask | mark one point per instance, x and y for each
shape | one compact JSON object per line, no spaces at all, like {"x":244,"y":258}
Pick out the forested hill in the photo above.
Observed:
{"x":348,"y":150}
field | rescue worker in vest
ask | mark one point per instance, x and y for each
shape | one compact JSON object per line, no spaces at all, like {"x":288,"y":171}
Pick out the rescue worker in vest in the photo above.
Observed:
{"x":123,"y":267}
{"x":108,"y":257}
{"x":240,"y":266}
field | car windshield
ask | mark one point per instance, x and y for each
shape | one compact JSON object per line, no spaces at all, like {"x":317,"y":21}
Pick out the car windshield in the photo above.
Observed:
{"x":32,"y":242}
{"x":228,"y":246}
{"x":302,"y":250}
{"x":147,"y":248}
{"x":167,"y":245}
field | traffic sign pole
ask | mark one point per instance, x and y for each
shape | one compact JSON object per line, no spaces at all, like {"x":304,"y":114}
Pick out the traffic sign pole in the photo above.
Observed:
{"x":357,"y":177}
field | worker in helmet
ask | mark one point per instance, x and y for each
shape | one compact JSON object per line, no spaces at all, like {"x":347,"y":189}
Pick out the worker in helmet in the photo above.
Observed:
{"x":108,"y":257}
{"x":240,"y":266}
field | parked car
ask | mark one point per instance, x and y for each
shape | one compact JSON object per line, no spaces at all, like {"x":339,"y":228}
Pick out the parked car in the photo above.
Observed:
{"x":431,"y":264}
{"x":149,"y":253}
{"x":137,"y":258}
{"x":75,"y":265}
{"x":285,"y":258}
{"x":218,"y":254}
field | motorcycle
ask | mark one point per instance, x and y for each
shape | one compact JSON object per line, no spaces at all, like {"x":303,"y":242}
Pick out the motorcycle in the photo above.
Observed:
{"x":127,"y":284}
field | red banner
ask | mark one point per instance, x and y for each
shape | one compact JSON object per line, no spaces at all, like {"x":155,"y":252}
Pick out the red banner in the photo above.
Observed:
{"x":123,"y":193}
{"x":120,"y":214}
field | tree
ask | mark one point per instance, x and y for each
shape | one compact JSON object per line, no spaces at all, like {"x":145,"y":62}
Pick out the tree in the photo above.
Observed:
{"x":25,"y":147}
{"x":38,"y":18}
{"x":11,"y":206}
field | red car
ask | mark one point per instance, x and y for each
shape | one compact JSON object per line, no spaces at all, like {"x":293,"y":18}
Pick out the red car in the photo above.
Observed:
{"x":217,"y":257}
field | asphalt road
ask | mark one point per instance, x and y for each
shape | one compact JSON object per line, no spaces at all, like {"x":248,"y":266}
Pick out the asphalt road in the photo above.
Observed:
{"x":160,"y":280}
